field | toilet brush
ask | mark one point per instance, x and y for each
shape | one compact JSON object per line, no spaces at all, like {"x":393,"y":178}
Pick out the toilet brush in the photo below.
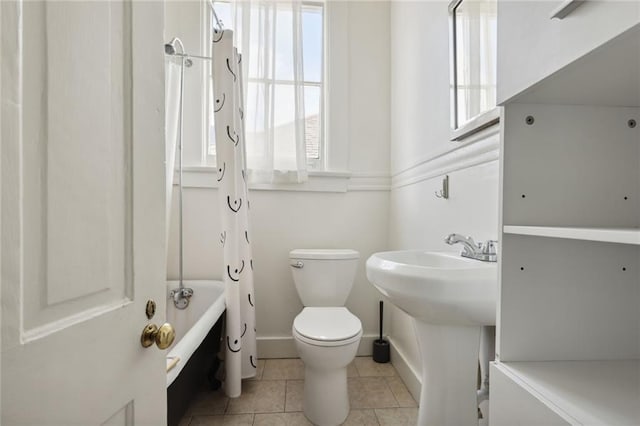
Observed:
{"x":381,"y":346}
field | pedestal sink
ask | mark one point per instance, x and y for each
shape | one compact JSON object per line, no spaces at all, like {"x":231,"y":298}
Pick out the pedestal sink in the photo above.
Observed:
{"x":450,"y":298}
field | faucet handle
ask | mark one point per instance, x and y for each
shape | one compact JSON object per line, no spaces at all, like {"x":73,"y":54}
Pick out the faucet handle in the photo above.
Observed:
{"x":488,"y":247}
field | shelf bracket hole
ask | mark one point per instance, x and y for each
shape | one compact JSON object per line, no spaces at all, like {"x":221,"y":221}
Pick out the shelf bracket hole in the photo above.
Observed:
{"x":529,"y":120}
{"x":631,"y":123}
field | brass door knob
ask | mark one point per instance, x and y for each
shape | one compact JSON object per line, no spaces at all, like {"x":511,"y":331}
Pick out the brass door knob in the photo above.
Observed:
{"x":163,"y":336}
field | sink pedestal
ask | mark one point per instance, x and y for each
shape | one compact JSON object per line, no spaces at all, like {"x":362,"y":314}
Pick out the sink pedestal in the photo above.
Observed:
{"x":459,"y":295}
{"x":449,"y":374}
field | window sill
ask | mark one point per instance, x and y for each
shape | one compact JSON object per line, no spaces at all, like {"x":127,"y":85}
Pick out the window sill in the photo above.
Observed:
{"x":319,"y":181}
{"x":475,"y":125}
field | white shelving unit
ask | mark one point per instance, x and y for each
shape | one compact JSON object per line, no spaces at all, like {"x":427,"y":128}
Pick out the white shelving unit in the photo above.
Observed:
{"x":582,"y":392}
{"x":568,"y":344}
{"x":606,"y":235}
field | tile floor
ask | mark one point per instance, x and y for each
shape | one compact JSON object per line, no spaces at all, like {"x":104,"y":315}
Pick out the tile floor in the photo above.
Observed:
{"x":377,"y":396}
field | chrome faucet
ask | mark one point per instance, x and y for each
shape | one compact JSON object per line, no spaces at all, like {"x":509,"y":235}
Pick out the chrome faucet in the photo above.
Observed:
{"x":485,"y":252}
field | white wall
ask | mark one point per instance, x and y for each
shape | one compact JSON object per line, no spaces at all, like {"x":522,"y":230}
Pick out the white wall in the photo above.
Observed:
{"x":284,"y":220}
{"x":421,"y":154}
{"x":281,"y":221}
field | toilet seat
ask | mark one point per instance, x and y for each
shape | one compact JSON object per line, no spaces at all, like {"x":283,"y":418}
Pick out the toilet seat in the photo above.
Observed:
{"x":327,"y":326}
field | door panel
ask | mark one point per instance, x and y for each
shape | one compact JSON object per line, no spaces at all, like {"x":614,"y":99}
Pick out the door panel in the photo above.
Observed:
{"x":83,"y":221}
{"x":76,"y":156}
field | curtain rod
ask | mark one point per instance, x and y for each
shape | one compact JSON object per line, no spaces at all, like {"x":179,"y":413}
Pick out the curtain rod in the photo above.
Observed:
{"x":215,"y":15}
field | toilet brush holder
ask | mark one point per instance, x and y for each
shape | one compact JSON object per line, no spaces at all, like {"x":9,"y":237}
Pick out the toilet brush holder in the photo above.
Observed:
{"x":381,"y":346}
{"x":380,"y":350}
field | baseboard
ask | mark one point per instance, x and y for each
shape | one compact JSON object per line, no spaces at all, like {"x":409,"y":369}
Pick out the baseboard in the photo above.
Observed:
{"x":276,"y":347}
{"x":407,"y":373}
{"x":366,"y":345}
{"x":284,"y":347}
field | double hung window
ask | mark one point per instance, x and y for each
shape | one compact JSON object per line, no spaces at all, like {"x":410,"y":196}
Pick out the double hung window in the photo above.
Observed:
{"x":283,"y":58}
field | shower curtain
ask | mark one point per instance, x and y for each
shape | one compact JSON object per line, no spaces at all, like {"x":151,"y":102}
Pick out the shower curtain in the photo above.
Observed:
{"x":240,"y":357}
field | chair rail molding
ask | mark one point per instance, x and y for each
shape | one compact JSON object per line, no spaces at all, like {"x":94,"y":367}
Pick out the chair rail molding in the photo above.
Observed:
{"x":319,"y":181}
{"x":483,"y":147}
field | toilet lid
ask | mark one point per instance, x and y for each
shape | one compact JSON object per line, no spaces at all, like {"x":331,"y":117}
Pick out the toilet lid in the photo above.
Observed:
{"x":327,"y":324}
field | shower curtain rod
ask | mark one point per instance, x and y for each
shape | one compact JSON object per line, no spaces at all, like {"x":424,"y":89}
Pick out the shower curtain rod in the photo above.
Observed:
{"x":215,"y":15}
{"x":188,"y":55}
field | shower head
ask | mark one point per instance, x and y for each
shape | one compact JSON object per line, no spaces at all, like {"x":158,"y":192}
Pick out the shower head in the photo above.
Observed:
{"x":171,"y":47}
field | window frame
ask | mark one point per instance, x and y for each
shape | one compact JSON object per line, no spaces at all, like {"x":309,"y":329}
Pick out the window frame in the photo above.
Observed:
{"x":313,"y":164}
{"x":486,"y":118}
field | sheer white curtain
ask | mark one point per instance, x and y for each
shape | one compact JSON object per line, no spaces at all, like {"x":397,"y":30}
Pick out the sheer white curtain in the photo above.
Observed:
{"x":269,"y":36}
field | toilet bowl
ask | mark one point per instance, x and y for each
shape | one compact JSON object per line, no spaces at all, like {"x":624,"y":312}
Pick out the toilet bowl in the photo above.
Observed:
{"x":325,"y":333}
{"x":327,"y":340}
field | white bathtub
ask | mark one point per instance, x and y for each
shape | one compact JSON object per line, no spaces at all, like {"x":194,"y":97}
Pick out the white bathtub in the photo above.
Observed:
{"x":193,"y":323}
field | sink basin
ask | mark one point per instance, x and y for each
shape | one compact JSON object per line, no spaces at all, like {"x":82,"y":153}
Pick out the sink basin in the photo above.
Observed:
{"x":437,"y":287}
{"x":451,"y":298}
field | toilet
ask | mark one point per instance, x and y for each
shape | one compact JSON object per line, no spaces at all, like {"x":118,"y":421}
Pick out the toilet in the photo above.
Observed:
{"x":326,"y":334}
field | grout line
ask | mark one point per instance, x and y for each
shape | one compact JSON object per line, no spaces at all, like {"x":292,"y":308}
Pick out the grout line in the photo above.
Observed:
{"x":284,"y":404}
{"x":375,"y":413}
{"x":386,"y":382}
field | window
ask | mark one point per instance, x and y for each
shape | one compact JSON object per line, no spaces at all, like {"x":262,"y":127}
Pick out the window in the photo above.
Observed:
{"x":269,"y":94}
{"x":473,"y":64}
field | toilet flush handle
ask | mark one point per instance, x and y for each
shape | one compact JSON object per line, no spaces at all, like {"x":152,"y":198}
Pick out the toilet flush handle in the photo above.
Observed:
{"x":298,"y":264}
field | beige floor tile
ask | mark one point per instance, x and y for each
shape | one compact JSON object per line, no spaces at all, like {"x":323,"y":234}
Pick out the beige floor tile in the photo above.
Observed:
{"x":367,"y":367}
{"x":259,"y":370}
{"x":281,"y":419}
{"x":259,"y":396}
{"x":352,"y":371}
{"x":208,"y":402}
{"x":295,"y":395}
{"x":361,"y":418}
{"x":400,"y":392}
{"x":377,"y":396}
{"x":370,"y":392}
{"x":283,"y":369}
{"x":397,"y":416}
{"x":225,"y":420}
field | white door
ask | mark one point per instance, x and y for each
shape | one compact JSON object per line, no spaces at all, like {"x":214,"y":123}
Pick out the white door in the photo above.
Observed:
{"x":82,"y":148}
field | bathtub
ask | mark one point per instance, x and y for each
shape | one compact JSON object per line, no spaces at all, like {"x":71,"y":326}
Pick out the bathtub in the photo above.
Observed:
{"x":193,"y":323}
{"x":192,"y":360}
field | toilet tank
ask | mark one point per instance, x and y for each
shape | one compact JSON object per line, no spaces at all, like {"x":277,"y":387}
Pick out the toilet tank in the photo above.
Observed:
{"x":323,"y":277}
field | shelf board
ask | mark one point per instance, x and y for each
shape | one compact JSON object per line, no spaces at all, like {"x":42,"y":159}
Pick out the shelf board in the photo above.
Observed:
{"x":609,"y":235}
{"x":583,"y":392}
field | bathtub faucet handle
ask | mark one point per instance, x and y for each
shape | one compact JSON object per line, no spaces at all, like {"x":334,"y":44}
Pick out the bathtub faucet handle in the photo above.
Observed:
{"x":181,"y":297}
